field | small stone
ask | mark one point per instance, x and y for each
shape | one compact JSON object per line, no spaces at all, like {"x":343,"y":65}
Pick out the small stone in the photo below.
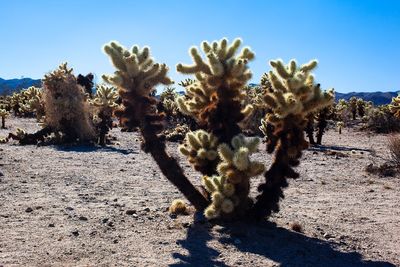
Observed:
{"x":115,"y":241}
{"x":51,"y":225}
{"x":130,"y":212}
{"x":29,"y":210}
{"x":75,"y":233}
{"x":83,"y":218}
{"x":69,"y":208}
{"x":105,"y":220}
{"x":110,"y":224}
{"x":146,"y":209}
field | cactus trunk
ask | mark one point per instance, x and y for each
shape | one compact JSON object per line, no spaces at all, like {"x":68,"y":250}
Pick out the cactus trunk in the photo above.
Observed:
{"x":3,"y":122}
{"x":170,"y":167}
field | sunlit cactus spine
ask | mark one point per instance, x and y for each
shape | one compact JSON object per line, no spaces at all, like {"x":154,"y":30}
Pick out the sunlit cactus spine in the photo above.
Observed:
{"x":136,"y":77}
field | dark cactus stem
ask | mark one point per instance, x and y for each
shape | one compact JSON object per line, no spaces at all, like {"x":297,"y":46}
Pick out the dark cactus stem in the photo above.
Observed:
{"x":104,"y":126}
{"x":310,"y":129}
{"x":321,"y":125}
{"x":141,"y":111}
{"x":3,"y":122}
{"x":288,"y":150}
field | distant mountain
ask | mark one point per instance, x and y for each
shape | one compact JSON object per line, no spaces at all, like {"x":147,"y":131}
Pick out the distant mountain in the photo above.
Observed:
{"x":378,"y":98}
{"x":10,"y":86}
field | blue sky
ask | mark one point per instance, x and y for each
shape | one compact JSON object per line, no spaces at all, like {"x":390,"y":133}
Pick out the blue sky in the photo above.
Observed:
{"x":356,"y":42}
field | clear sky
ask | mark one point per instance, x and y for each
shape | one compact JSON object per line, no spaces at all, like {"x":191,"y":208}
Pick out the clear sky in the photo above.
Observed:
{"x":356,"y":42}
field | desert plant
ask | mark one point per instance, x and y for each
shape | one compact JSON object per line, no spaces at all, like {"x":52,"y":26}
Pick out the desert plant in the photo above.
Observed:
{"x":382,"y":120}
{"x":293,"y":98}
{"x":32,"y":102}
{"x":322,"y":122}
{"x":309,"y":129}
{"x":394,"y":148}
{"x":86,"y":82}
{"x":339,"y":126}
{"x":394,"y":106}
{"x":136,"y":77}
{"x":66,"y":109}
{"x":104,"y":105}
{"x":353,"y":106}
{"x":3,"y":114}
{"x":361,"y":107}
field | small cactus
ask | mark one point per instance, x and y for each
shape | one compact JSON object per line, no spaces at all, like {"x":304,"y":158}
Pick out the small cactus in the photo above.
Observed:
{"x":4,"y":114}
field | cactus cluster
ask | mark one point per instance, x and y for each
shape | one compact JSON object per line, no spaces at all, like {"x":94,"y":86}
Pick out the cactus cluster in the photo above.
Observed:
{"x":3,"y":114}
{"x":200,"y":148}
{"x":394,"y":106}
{"x":104,"y":104}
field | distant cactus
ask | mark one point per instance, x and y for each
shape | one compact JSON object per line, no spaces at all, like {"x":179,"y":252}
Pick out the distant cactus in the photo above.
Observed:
{"x":66,"y":109}
{"x":394,"y":106}
{"x":361,"y":106}
{"x":3,"y":114}
{"x":340,"y":126}
{"x":104,"y":103}
{"x":353,"y":106}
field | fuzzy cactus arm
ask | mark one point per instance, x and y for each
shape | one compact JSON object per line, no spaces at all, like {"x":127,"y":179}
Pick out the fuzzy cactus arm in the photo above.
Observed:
{"x":293,"y":96}
{"x":215,"y":99}
{"x":135,"y":77}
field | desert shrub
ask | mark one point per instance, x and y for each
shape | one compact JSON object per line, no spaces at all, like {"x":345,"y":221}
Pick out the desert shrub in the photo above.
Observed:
{"x":394,"y":148}
{"x":66,"y":110}
{"x":381,"y":120}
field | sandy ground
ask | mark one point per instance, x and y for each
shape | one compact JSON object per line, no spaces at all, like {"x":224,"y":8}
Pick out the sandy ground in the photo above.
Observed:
{"x":88,"y":206}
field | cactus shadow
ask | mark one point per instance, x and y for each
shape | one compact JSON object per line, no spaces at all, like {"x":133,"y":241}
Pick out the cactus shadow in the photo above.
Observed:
{"x":266,"y":239}
{"x":93,"y":148}
{"x":289,"y":248}
{"x":200,"y":254}
{"x":338,"y":148}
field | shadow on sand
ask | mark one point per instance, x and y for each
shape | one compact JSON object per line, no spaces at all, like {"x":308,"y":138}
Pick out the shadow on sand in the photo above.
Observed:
{"x":338,"y":148}
{"x":93,"y":148}
{"x":265,"y":239}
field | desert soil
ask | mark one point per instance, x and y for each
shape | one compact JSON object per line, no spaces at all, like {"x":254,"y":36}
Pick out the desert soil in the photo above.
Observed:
{"x":91,"y":206}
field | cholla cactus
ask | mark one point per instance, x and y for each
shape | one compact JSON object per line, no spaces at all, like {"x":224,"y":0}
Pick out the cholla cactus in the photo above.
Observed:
{"x":353,"y":106}
{"x":136,"y":77}
{"x":200,"y":148}
{"x":293,"y":97}
{"x":394,"y":106}
{"x":104,"y":103}
{"x":66,"y":107}
{"x":177,"y":133}
{"x":339,"y":126}
{"x":4,"y":114}
{"x":32,"y":102}
{"x":361,"y":107}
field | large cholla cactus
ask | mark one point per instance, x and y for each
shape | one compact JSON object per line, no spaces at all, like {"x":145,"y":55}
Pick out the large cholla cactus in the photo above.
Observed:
{"x":104,"y":103}
{"x":353,"y":106}
{"x":136,"y":77}
{"x":394,"y":106}
{"x":66,"y":107}
{"x":293,"y":97}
